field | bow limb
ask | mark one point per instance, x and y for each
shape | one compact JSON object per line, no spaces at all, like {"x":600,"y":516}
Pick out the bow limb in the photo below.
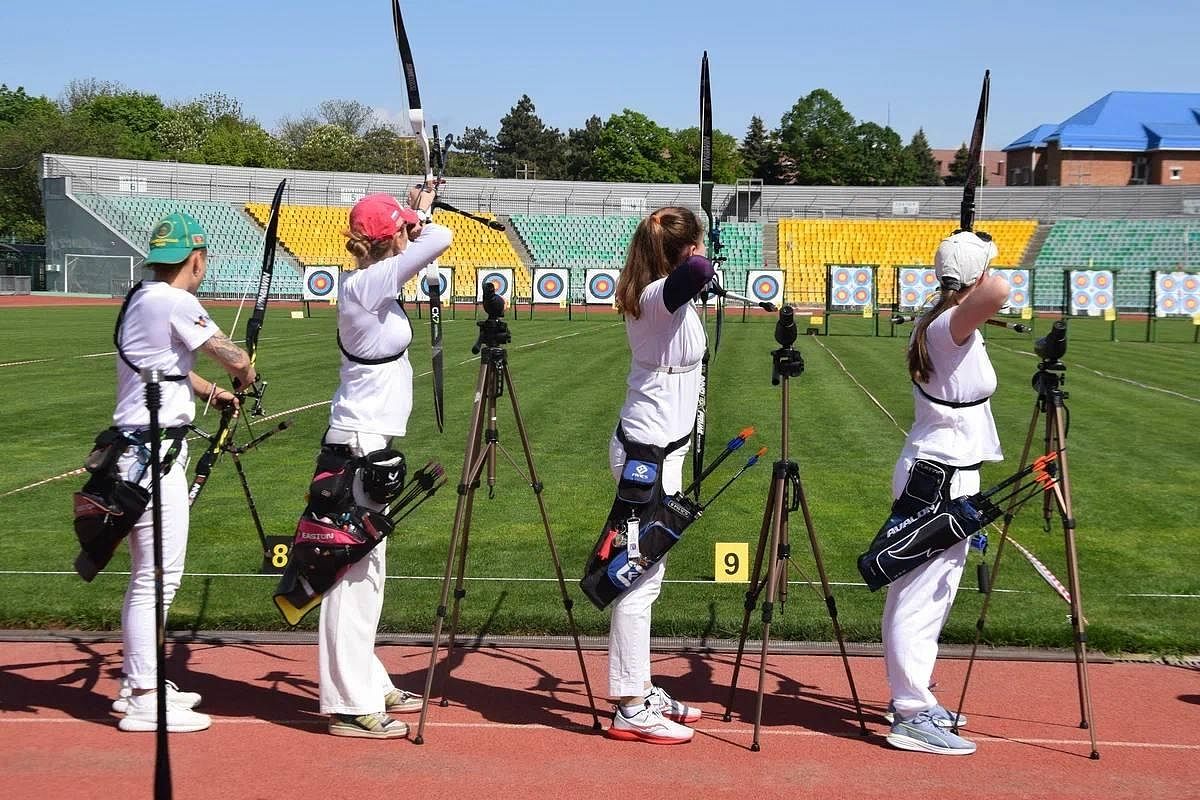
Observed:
{"x":966,"y":221}
{"x":416,"y":118}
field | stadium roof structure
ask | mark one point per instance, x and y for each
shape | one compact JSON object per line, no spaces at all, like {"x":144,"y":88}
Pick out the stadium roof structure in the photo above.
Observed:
{"x":1126,"y":121}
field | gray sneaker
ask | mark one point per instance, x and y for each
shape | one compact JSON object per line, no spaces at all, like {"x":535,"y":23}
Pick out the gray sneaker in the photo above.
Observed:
{"x":367,"y":726}
{"x":923,"y":734}
{"x":941,"y":717}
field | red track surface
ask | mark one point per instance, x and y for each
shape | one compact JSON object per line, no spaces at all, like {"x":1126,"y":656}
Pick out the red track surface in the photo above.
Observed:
{"x":518,"y":726}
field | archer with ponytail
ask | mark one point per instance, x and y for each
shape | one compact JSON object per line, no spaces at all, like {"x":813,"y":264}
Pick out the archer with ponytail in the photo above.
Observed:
{"x":664,"y":270}
{"x":952,"y":434}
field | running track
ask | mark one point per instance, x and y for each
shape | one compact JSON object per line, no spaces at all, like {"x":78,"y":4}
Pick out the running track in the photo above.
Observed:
{"x":518,"y":726}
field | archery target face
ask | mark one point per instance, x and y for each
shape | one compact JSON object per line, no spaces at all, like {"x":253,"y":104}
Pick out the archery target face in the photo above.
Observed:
{"x":1091,"y":291}
{"x":501,"y":279}
{"x":851,"y":286}
{"x":1018,"y":287}
{"x":320,"y":283}
{"x":550,"y":286}
{"x":765,"y":286}
{"x":1177,"y":293}
{"x":443,"y":285}
{"x":915,"y":286}
{"x":602,"y":286}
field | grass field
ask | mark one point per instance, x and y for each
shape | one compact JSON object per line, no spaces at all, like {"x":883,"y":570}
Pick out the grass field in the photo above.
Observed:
{"x":1134,"y":457}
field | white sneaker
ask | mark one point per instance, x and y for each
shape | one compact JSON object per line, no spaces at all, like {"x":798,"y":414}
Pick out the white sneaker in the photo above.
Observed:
{"x":648,"y":725}
{"x":671,"y":708}
{"x":400,"y":701}
{"x":174,"y":697}
{"x":142,"y":716}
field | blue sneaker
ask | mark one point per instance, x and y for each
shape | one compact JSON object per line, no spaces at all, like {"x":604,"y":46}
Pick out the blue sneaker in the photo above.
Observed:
{"x":941,"y":717}
{"x":923,"y":734}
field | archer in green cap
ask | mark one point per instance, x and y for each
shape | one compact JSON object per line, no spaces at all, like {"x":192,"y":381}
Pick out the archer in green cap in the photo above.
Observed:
{"x":175,"y":237}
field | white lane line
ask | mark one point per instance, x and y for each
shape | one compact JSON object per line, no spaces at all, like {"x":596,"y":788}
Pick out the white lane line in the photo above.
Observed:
{"x":1111,"y":377}
{"x":859,"y":385}
{"x":726,"y":730}
{"x":22,"y":363}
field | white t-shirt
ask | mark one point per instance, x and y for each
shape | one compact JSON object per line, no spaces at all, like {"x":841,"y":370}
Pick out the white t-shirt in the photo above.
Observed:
{"x":377,"y":398}
{"x":961,"y":373}
{"x":163,"y":327}
{"x":660,"y":406}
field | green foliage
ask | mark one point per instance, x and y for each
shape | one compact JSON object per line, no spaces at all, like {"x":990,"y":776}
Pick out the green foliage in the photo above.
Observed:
{"x":921,"y":168}
{"x":634,"y":148}
{"x":326,"y":147}
{"x":581,"y":147}
{"x":685,"y":156}
{"x":525,"y":142}
{"x":760,"y":152}
{"x":815,"y":139}
{"x":474,"y":155}
{"x":875,"y":156}
{"x":959,"y":166}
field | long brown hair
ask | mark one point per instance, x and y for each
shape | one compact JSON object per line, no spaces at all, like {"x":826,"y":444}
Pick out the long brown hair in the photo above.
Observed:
{"x":365,"y":251}
{"x":657,"y":248}
{"x":920,"y":367}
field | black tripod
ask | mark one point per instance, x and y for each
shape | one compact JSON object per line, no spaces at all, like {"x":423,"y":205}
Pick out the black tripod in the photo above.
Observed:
{"x":494,"y":376}
{"x":1051,"y":403}
{"x":786,"y":495}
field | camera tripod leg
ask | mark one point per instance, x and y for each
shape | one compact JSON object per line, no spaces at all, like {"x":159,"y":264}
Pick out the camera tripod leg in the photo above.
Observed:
{"x":757,"y":584}
{"x":460,"y":592}
{"x":830,"y":603}
{"x":568,"y":604}
{"x":1062,"y":496}
{"x":776,"y":571}
{"x":472,"y":464}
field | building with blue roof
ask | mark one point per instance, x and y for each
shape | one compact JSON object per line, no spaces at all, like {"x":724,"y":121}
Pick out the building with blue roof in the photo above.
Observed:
{"x":1124,"y":138}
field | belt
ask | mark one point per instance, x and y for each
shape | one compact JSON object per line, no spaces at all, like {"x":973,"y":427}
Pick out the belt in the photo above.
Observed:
{"x":670,"y":370}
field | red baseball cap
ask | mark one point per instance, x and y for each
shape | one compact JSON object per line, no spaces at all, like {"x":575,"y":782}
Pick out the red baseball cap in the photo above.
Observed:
{"x":379,"y":216}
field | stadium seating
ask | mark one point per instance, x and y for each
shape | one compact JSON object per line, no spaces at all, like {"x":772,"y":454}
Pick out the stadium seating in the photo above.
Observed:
{"x":580,"y":242}
{"x":234,"y":243}
{"x":316,"y":234}
{"x":806,"y":246}
{"x":1133,"y":248}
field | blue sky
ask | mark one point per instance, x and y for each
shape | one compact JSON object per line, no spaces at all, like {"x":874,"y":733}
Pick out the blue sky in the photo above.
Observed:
{"x":919,"y":62}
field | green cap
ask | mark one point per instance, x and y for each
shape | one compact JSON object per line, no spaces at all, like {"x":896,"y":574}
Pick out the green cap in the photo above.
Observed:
{"x":174,"y":238}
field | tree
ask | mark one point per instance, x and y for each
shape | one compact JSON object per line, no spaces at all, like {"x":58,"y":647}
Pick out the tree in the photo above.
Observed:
{"x":685,"y":157}
{"x":242,"y":143}
{"x":815,"y":138}
{"x":381,"y":150}
{"x":474,"y":155}
{"x":876,"y":156}
{"x":28,"y":127}
{"x":760,"y":152}
{"x":920,"y":167}
{"x":83,"y":91}
{"x":582,"y":144}
{"x":327,"y":147}
{"x":525,"y":141}
{"x":350,"y":115}
{"x":958,"y":168}
{"x":635,"y":148}
{"x":293,"y":132}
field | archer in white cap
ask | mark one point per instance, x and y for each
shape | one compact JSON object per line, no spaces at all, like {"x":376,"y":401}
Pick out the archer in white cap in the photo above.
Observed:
{"x":953,"y":428}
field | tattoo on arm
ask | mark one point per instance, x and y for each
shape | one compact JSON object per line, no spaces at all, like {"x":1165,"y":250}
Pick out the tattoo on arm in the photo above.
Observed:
{"x":222,"y":348}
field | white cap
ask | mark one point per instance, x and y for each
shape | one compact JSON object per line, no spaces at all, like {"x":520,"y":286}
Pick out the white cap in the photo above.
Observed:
{"x":963,"y":256}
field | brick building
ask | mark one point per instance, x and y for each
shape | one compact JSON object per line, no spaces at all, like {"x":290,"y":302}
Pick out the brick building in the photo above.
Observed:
{"x":1122,"y":139}
{"x":993,"y":164}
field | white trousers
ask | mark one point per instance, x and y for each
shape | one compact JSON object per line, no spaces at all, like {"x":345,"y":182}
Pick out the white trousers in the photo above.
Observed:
{"x":917,"y":607}
{"x":629,"y":628}
{"x":352,"y":678}
{"x":138,"y":634}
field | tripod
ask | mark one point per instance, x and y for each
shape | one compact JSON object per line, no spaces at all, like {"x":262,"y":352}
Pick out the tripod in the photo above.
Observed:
{"x":494,"y":377}
{"x":1051,"y":403}
{"x":785,"y":496}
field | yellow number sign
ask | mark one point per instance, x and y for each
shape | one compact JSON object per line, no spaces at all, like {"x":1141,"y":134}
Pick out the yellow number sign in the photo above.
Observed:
{"x":731,"y":562}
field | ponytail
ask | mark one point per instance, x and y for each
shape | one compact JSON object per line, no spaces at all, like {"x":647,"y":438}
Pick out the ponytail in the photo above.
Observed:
{"x":920,"y":367}
{"x":657,"y":247}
